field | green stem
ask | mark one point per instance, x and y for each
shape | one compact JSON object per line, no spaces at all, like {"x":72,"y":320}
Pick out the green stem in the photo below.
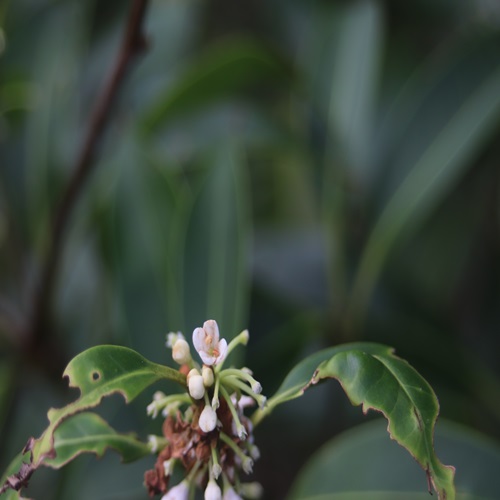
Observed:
{"x":215,"y":398}
{"x":170,"y":374}
{"x":242,"y":338}
{"x":240,"y":429}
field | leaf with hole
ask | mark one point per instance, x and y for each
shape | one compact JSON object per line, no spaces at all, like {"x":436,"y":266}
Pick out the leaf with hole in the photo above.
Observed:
{"x":99,"y":372}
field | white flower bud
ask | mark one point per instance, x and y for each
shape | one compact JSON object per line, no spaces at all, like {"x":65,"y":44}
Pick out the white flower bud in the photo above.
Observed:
{"x":213,"y":492}
{"x":247,"y":465}
{"x":172,"y":338}
{"x":216,"y":470}
{"x":195,"y":385}
{"x":178,"y":492}
{"x":153,"y":443}
{"x":168,"y":467}
{"x":254,"y":452}
{"x":208,"y":375}
{"x":180,"y":352}
{"x":256,"y":387}
{"x":208,"y":419}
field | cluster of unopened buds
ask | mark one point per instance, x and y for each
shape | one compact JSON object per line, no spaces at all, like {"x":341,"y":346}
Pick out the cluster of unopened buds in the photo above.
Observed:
{"x":205,"y":432}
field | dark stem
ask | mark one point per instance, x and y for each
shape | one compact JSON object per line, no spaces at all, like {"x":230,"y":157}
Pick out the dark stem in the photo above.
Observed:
{"x":133,"y":43}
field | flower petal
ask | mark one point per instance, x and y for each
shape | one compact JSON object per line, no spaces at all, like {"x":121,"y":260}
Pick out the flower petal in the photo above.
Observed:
{"x":212,"y":328}
{"x":207,"y":359}
{"x":222,"y":351}
{"x":199,"y":339}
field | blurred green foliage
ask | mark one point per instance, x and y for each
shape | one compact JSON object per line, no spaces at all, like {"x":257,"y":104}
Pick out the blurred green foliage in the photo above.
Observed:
{"x":316,"y":171}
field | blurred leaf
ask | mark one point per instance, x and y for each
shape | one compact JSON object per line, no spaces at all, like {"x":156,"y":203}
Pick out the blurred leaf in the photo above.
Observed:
{"x":292,"y":264}
{"x":99,"y":372}
{"x":371,"y":495}
{"x":89,"y":433}
{"x":463,"y":128}
{"x":138,"y":236}
{"x":222,"y":70}
{"x":354,"y":82}
{"x":214,"y":275}
{"x":363,"y":463}
{"x":52,"y":126}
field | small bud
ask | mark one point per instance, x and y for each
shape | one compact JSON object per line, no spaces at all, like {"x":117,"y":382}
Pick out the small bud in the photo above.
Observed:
{"x":153,"y":443}
{"x":208,"y":419}
{"x":242,"y":433}
{"x":216,"y":470}
{"x":213,"y":492}
{"x":195,"y":385}
{"x":247,"y":465}
{"x":156,"y":443}
{"x":252,"y":491}
{"x":168,"y":466}
{"x":256,"y":387}
{"x":180,"y":352}
{"x":172,"y":338}
{"x":152,"y":409}
{"x":254,"y":452}
{"x":244,"y":337}
{"x":208,"y":376}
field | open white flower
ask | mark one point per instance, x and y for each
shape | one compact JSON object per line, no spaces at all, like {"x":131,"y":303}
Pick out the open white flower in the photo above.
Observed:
{"x":206,"y":341}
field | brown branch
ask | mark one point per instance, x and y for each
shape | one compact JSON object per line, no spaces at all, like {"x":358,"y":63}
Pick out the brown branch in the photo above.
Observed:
{"x":133,"y":43}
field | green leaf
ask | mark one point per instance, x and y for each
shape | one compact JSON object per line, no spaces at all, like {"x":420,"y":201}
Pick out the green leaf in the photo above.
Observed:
{"x":214,"y":280}
{"x":299,"y":378}
{"x":99,"y":372}
{"x":388,"y":384}
{"x":224,"y":69}
{"x":88,"y":433}
{"x":354,"y":82}
{"x":371,"y":375}
{"x":432,"y":167}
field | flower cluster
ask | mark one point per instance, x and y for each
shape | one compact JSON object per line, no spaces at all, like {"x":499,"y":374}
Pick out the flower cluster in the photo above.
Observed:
{"x":205,"y":432}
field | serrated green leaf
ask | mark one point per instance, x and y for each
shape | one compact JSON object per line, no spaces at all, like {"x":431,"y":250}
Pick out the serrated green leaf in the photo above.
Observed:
{"x":88,"y":433}
{"x":388,"y":384}
{"x":221,"y":70}
{"x":372,"y":376}
{"x":99,"y":372}
{"x":299,"y":378}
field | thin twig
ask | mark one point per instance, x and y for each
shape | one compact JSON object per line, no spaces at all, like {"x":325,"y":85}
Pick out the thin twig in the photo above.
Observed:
{"x":133,"y":43}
